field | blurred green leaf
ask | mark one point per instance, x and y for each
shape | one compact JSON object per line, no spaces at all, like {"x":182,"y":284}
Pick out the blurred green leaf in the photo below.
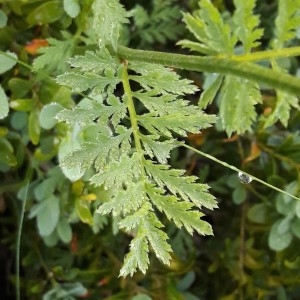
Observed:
{"x":64,"y":230}
{"x":294,"y":264}
{"x":55,"y":56}
{"x":277,"y":240}
{"x":83,"y":211}
{"x":47,"y":12}
{"x":52,"y":239}
{"x":65,"y":291}
{"x":7,"y":153}
{"x":285,"y":207}
{"x":6,"y":63}
{"x":48,"y":113}
{"x":69,"y":144}
{"x":19,"y":87}
{"x":48,"y":215}
{"x":22,"y":104}
{"x":186,"y":281}
{"x":259,"y":213}
{"x":19,"y":120}
{"x":3,"y":131}
{"x":34,"y":126}
{"x":239,"y":195}
{"x":4,"y":108}
{"x":284,"y":225}
{"x":72,"y":8}
{"x":296,"y":228}
{"x":99,"y":221}
{"x":3,"y":19}
{"x":210,"y":92}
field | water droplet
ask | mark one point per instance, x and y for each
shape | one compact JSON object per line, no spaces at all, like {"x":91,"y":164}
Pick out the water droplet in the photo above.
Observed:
{"x":244,"y":178}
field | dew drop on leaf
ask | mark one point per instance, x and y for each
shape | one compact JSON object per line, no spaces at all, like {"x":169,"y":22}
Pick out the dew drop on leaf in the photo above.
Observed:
{"x":244,"y":178}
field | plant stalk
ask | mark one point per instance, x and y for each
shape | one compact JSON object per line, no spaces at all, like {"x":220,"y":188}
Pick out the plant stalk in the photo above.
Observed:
{"x":236,"y":170}
{"x":227,"y":66}
{"x":18,"y":244}
{"x":132,"y":112}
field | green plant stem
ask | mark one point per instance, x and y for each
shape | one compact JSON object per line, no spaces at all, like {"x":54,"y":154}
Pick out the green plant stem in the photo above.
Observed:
{"x":18,"y":246}
{"x":267,"y":54}
{"x":236,"y":169}
{"x":220,"y":65}
{"x":132,"y":113}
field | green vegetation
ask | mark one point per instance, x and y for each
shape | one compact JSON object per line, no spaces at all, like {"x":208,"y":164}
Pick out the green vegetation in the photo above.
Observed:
{"x":142,"y":157}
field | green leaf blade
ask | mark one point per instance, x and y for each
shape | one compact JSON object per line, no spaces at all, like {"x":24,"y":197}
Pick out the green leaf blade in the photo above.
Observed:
{"x":161,"y":79}
{"x":109,"y":16}
{"x":287,"y":22}
{"x":118,"y":172}
{"x":48,"y":216}
{"x":184,"y":186}
{"x":179,"y":211}
{"x":96,"y":62}
{"x":237,"y":107}
{"x":72,"y":8}
{"x":246,"y":24}
{"x":125,"y":201}
{"x":7,"y":61}
{"x":137,"y":258}
{"x":177,"y":122}
{"x":209,"y":28}
{"x":4,"y":107}
{"x":155,"y":148}
{"x":54,"y":57}
{"x":210,"y":93}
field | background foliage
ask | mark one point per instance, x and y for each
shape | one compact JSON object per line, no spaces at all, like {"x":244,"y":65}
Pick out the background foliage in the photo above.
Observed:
{"x":67,"y":250}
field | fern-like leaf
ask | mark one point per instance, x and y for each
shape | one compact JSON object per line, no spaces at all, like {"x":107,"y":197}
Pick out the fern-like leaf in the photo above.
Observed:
{"x":160,"y":24}
{"x":117,"y":155}
{"x":246,"y":24}
{"x":209,"y":29}
{"x":137,"y":258}
{"x":113,"y":111}
{"x":133,"y":196}
{"x":117,"y":173}
{"x":52,"y":58}
{"x":109,"y":16}
{"x":180,"y":185}
{"x":287,"y":22}
{"x":80,"y":83}
{"x":95,"y":62}
{"x":157,"y":78}
{"x":281,"y":111}
{"x":237,"y":109}
{"x":148,"y":233}
{"x":179,"y":211}
{"x":90,"y":153}
{"x":177,"y":122}
{"x":158,"y":149}
{"x":238,"y":97}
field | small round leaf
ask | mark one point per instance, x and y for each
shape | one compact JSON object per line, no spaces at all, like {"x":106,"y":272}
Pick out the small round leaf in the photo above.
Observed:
{"x":277,"y":240}
{"x":47,"y":115}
